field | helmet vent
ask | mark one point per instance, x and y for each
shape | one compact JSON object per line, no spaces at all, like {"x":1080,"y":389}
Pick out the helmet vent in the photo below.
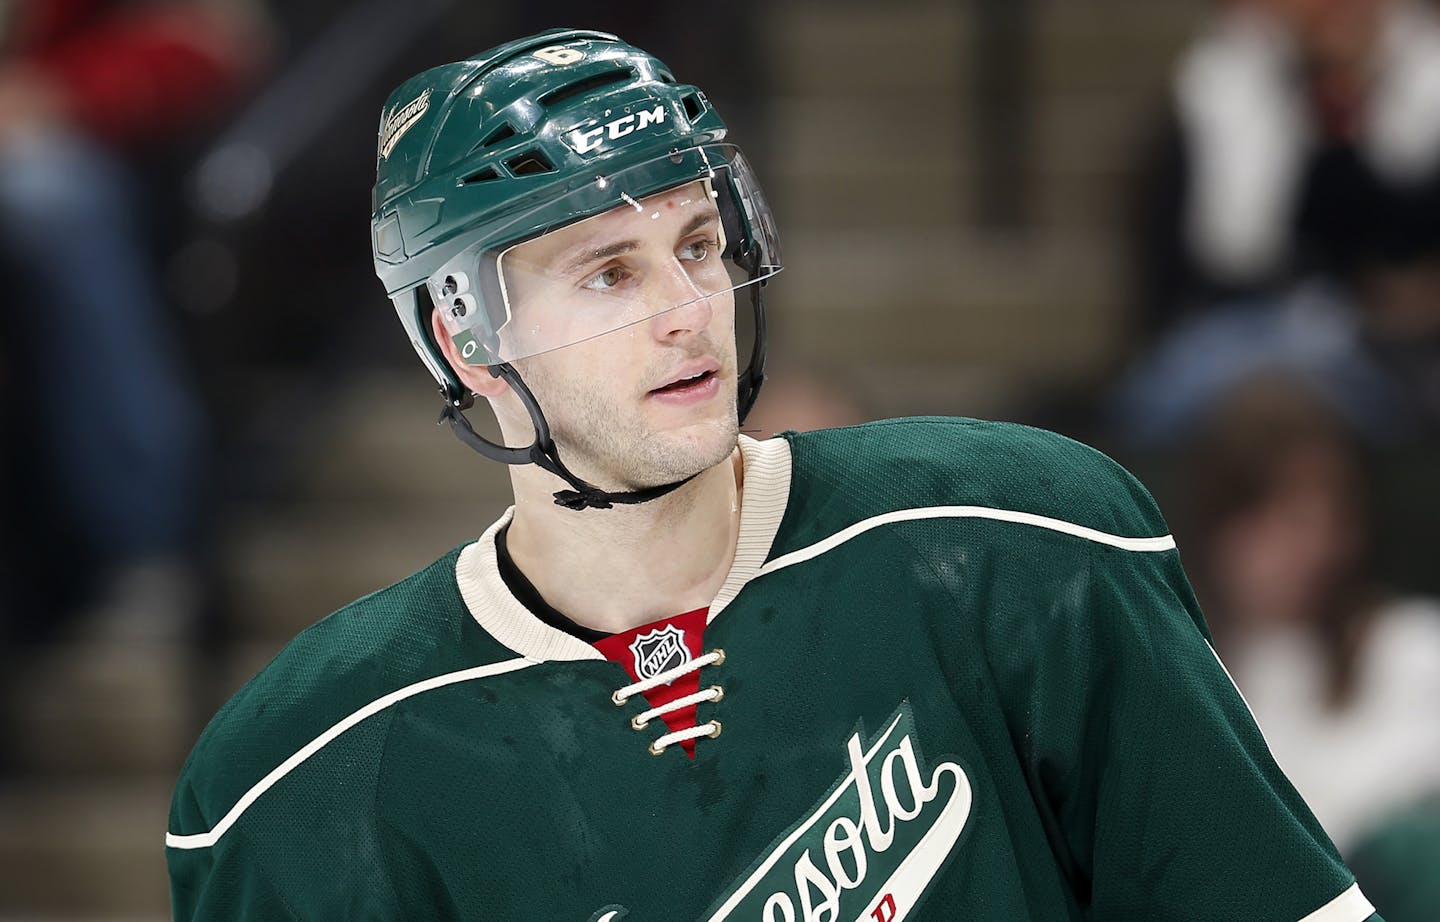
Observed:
{"x":581,"y":87}
{"x":529,"y":163}
{"x":693,"y":106}
{"x":504,"y":133}
{"x":484,"y":175}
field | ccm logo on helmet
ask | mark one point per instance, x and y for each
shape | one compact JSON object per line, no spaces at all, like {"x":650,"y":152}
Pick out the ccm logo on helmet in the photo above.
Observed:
{"x":586,"y":141}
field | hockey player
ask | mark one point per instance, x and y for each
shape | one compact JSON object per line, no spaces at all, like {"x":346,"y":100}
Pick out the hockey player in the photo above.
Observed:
{"x":926,"y":669}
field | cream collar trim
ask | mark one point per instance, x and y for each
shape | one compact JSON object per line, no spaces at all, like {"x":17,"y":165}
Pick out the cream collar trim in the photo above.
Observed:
{"x":500,"y":614}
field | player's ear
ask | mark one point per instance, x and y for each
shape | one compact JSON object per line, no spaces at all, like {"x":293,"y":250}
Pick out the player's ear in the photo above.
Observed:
{"x":475,"y":377}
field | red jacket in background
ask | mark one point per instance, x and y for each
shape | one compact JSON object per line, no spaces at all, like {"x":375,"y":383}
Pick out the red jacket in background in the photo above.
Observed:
{"x":131,"y":73}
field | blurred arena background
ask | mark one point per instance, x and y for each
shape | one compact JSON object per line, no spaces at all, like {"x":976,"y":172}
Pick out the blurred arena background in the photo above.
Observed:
{"x":1204,"y":236}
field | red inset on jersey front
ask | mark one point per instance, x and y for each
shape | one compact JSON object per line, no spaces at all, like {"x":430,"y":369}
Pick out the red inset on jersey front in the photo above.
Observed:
{"x":650,"y":649}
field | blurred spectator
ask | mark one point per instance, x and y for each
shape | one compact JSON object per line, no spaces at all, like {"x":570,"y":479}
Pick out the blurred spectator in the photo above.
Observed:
{"x":1293,"y":213}
{"x":1311,"y":333}
{"x":1343,"y":676}
{"x":105,"y":435}
{"x":1303,"y":137}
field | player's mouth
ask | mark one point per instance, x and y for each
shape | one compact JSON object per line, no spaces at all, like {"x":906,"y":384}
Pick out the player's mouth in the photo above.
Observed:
{"x":691,"y":384}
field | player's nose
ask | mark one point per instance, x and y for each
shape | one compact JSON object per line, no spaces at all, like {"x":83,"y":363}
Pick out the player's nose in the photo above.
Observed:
{"x":684,"y":307}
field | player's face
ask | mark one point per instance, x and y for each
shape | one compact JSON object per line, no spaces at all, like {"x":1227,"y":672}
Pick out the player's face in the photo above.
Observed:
{"x":653,"y":400}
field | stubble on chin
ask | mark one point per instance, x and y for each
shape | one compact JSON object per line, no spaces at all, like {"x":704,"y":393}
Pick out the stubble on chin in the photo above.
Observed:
{"x":608,"y":442}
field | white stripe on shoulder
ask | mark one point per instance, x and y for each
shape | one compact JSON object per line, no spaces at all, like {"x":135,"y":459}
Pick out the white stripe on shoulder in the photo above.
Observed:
{"x":1162,"y":543}
{"x":207,"y":839}
{"x":1350,"y":906}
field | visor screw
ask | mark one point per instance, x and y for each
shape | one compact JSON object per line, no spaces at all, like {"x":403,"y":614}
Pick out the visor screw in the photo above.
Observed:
{"x":450,"y":286}
{"x":676,"y":156}
{"x":458,"y":310}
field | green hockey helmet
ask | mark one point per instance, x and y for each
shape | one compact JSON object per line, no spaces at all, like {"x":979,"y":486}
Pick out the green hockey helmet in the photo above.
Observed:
{"x":572,"y":130}
{"x":479,"y":156}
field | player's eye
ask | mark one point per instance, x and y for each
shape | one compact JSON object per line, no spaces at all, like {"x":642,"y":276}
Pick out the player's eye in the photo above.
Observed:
{"x":605,"y":279}
{"x":696,"y":250}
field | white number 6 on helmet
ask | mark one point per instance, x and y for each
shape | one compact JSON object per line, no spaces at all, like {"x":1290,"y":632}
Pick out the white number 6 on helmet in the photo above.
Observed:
{"x":558,"y":54}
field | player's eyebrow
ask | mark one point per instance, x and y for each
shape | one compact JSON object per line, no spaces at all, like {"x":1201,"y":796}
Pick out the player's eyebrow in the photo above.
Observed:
{"x":589,"y":256}
{"x":585,"y":257}
{"x":708,"y":216}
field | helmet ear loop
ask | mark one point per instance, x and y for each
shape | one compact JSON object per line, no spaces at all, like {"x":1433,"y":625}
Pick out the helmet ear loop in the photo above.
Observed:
{"x":454,"y":413}
{"x":541,"y":452}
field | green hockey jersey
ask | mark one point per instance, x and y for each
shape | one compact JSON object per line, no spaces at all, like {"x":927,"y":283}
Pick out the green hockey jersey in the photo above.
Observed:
{"x":956,"y":672}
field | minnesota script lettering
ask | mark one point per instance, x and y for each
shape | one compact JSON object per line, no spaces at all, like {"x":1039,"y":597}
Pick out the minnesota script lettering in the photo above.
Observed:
{"x":870,"y":849}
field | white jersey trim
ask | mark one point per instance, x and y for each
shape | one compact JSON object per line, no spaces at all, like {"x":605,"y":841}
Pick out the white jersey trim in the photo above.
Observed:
{"x":1350,"y":906}
{"x":765,"y":495}
{"x":207,"y":839}
{"x":501,"y":615}
{"x":1162,"y":543}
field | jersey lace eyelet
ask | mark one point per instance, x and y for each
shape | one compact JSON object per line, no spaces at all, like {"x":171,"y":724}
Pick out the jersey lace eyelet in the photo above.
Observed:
{"x":708,"y":695}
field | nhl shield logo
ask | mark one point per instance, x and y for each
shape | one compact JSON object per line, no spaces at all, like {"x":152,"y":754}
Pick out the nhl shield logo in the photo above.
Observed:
{"x":658,"y":651}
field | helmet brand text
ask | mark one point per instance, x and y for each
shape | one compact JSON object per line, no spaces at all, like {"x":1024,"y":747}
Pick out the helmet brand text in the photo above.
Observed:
{"x":586,"y":140}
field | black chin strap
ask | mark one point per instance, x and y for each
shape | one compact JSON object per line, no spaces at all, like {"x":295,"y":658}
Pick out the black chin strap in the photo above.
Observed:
{"x":542,"y":452}
{"x":587,"y":497}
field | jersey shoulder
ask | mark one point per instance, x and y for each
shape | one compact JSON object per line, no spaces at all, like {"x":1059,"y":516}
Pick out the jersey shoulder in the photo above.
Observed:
{"x":843,"y":476}
{"x":410,"y":631}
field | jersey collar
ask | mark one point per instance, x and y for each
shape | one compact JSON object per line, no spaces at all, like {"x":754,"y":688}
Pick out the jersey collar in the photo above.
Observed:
{"x":500,"y":614}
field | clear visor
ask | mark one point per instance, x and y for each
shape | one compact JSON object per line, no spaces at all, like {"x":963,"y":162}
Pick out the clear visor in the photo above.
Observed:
{"x":697,"y":240}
